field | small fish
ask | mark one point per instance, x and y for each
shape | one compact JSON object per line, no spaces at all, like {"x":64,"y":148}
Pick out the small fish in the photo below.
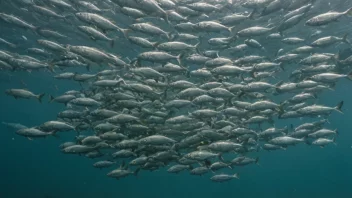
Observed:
{"x":21,"y":93}
{"x":328,"y":17}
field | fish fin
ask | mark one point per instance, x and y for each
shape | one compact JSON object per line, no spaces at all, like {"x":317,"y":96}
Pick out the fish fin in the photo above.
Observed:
{"x":306,"y":141}
{"x":196,"y":47}
{"x":256,"y":160}
{"x":285,"y":131}
{"x":251,"y":15}
{"x":279,"y":84}
{"x":179,"y":57}
{"x":135,"y":173}
{"x":221,"y":158}
{"x":40,"y":97}
{"x":345,"y":39}
{"x":53,"y":133}
{"x":125,"y":32}
{"x":51,"y":98}
{"x":349,"y":12}
{"x":31,"y":139}
{"x":231,"y":29}
{"x":339,"y":106}
{"x":242,"y":93}
{"x":236,"y":175}
{"x":166,"y":18}
{"x":112,"y":43}
{"x":349,"y":75}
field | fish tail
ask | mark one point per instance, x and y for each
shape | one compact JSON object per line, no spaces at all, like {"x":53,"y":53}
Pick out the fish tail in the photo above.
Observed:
{"x":135,"y":173}
{"x":339,"y":107}
{"x":236,"y":175}
{"x":279,"y":84}
{"x":40,"y":97}
{"x":221,"y":158}
{"x":231,"y":29}
{"x":36,"y":30}
{"x":285,"y":131}
{"x":349,"y":75}
{"x":349,"y":12}
{"x":51,"y":67}
{"x":196,"y":47}
{"x":124,"y":32}
{"x":54,"y":134}
{"x":51,"y":98}
{"x":112,"y":43}
{"x":179,"y":57}
{"x":251,"y":15}
{"x":166,"y":18}
{"x":256,"y":161}
{"x":345,"y":39}
{"x":306,"y":141}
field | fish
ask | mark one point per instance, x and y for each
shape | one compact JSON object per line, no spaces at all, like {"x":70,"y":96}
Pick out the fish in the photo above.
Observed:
{"x":176,"y":86}
{"x":322,"y":142}
{"x":34,"y":133}
{"x":22,"y":93}
{"x":328,"y":17}
{"x":224,"y":177}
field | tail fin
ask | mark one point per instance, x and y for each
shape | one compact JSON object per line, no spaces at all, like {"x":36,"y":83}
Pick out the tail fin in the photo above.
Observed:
{"x":231,"y":29}
{"x":40,"y":97}
{"x":279,"y":84}
{"x":51,"y":98}
{"x":170,"y":36}
{"x":339,"y":106}
{"x":53,"y":133}
{"x":306,"y":141}
{"x":166,"y":18}
{"x":349,"y":12}
{"x":256,"y":160}
{"x":112,"y":43}
{"x":285,"y":130}
{"x":251,"y":15}
{"x":221,"y":158}
{"x":135,"y":173}
{"x":196,"y":47}
{"x":179,"y":57}
{"x":345,"y":39}
{"x":124,"y":32}
{"x":236,"y":175}
{"x":349,"y":75}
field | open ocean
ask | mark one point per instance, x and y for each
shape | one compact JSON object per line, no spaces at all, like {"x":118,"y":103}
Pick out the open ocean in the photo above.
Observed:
{"x":38,"y":169}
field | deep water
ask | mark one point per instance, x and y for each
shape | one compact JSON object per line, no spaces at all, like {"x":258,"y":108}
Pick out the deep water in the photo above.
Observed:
{"x":37,"y":169}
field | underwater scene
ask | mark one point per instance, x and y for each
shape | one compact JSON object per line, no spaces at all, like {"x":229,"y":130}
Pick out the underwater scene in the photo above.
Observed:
{"x":176,"y":98}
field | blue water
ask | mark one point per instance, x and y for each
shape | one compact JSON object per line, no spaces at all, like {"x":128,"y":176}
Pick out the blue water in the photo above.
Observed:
{"x":37,"y":169}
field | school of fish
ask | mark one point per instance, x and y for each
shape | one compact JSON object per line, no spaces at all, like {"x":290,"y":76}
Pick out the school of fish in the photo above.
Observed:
{"x":181,"y":85}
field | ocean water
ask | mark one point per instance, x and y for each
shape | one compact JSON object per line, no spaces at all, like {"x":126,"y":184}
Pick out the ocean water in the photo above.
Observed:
{"x":37,"y":169}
